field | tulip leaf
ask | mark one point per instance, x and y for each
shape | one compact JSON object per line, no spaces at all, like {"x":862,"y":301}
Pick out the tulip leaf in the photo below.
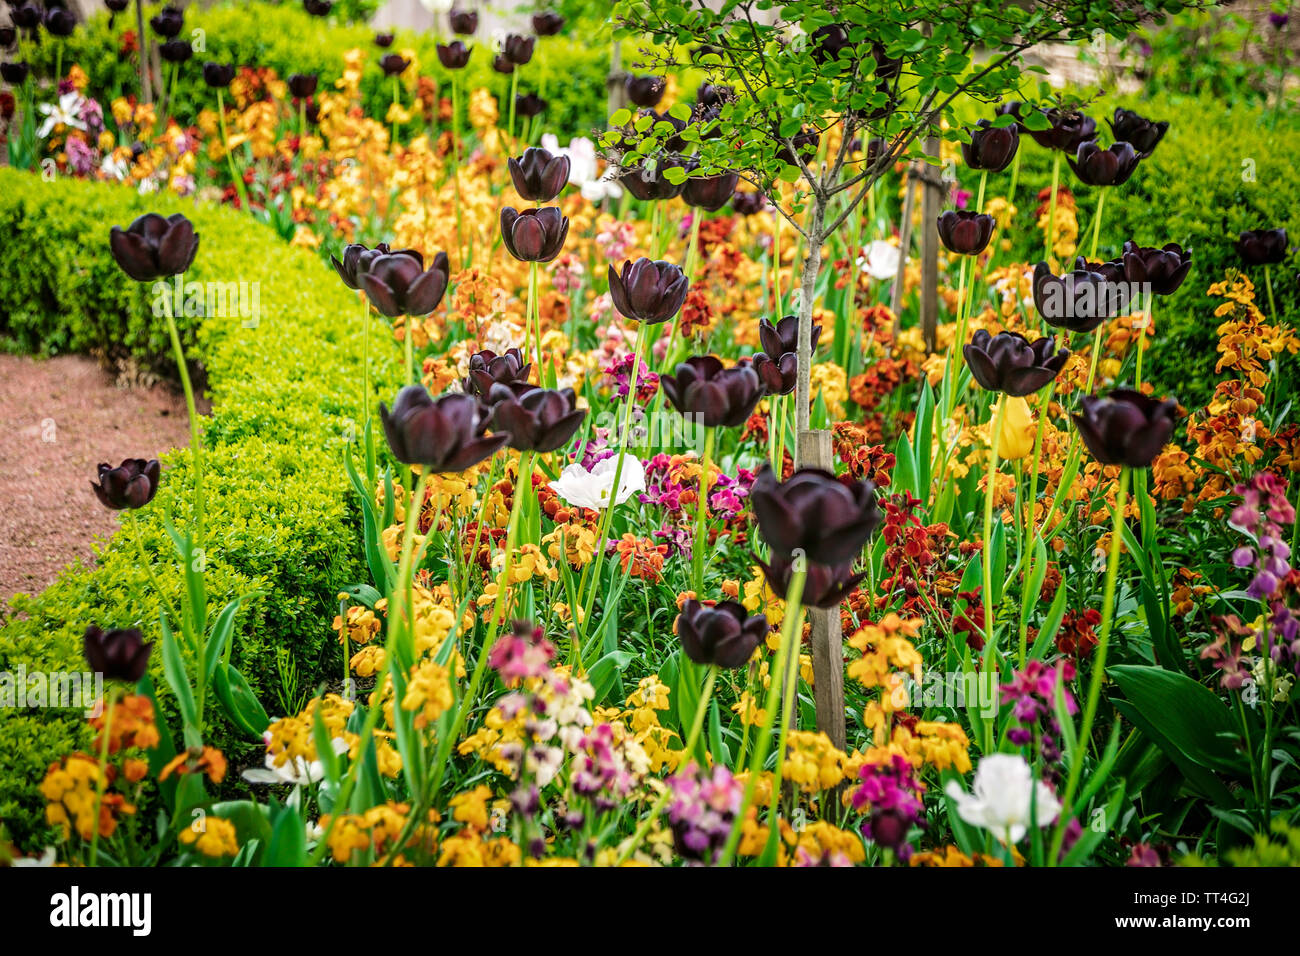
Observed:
{"x":217,"y":648}
{"x":606,"y":671}
{"x":288,"y":843}
{"x":923,"y":439}
{"x":904,"y":477}
{"x":1200,"y":779}
{"x":721,"y":753}
{"x":179,"y":681}
{"x":329,"y":760}
{"x":161,"y":753}
{"x":1190,"y":717}
{"x":239,"y":702}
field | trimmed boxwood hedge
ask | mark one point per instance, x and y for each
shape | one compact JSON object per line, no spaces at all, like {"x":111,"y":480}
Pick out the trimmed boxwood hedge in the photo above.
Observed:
{"x":280,"y":516}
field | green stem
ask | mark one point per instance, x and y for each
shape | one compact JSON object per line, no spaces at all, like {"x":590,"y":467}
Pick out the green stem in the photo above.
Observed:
{"x":702,"y":515}
{"x":1096,"y":225}
{"x":237,"y":179}
{"x":991,"y":486}
{"x":196,"y":444}
{"x":397,"y":101}
{"x":692,"y":250}
{"x":1268,"y":284}
{"x":1051,"y":209}
{"x":455,"y":169}
{"x":514,"y":87}
{"x":102,"y":782}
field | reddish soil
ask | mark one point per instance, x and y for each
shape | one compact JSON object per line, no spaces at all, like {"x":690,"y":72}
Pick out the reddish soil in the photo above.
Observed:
{"x":61,"y":417}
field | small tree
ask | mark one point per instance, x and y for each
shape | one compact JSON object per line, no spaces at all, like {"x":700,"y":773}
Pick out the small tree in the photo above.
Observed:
{"x":880,"y":72}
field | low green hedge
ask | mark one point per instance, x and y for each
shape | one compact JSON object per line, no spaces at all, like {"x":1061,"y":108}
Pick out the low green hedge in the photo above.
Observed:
{"x":280,"y":516}
{"x":569,"y":72}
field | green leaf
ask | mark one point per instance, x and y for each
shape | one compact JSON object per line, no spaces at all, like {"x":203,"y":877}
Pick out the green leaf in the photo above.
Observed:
{"x":1190,"y":717}
{"x":288,"y":843}
{"x":239,"y":702}
{"x":179,"y":681}
{"x":221,"y":631}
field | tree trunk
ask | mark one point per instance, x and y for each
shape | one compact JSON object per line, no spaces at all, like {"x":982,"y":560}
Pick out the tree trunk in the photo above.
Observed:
{"x":142,"y":51}
{"x":930,"y":250}
{"x":811,"y":266}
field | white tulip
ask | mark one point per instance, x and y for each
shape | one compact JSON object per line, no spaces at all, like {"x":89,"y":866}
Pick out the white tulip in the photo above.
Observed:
{"x":584,"y":171}
{"x":881,"y":261}
{"x":1001,"y":795}
{"x":591,"y":489}
{"x":436,"y":6}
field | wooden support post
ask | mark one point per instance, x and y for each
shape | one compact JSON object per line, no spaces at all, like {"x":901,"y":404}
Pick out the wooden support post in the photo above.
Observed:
{"x":930,"y":201}
{"x":904,"y":251}
{"x":815,"y":451}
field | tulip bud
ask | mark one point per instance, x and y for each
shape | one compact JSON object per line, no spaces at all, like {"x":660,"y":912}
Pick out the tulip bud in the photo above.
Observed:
{"x":534,"y":235}
{"x":303,"y":85}
{"x":1262,"y":247}
{"x":463,"y":22}
{"x":783,"y":337}
{"x":118,"y":654}
{"x":1165,"y":269}
{"x":1103,"y":167}
{"x":645,"y":91}
{"x":518,"y":49}
{"x":454,"y":55}
{"x":536,"y":419}
{"x":1016,"y":439}
{"x":539,"y":175}
{"x":547,"y":23}
{"x":153,"y":247}
{"x":724,"y":635}
{"x":486,"y":369}
{"x":965,"y":232}
{"x":815,"y":515}
{"x":825,"y":586}
{"x":1143,"y":134}
{"x":1125,"y":427}
{"x":528,"y":105}
{"x":393,"y":63}
{"x":1009,"y":363}
{"x":168,"y":22}
{"x":991,"y":147}
{"x":175,"y":51}
{"x":384,"y":40}
{"x":445,"y":436}
{"x":131,"y":484}
{"x":60,"y":22}
{"x":719,"y":396}
{"x":647,"y":290}
{"x":218,"y":75}
{"x":396,"y":284}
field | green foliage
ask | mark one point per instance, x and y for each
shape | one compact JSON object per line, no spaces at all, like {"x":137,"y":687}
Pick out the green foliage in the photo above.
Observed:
{"x":280,"y":515}
{"x":567,"y":71}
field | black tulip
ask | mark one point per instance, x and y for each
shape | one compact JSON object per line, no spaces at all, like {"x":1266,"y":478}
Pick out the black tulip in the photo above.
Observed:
{"x":826,"y":42}
{"x":168,"y":22}
{"x":454,"y":55}
{"x":121,"y":654}
{"x":1066,"y":129}
{"x":487,"y":368}
{"x":710,"y":193}
{"x":463,"y":22}
{"x":1142,"y":133}
{"x":1078,"y":301}
{"x":547,"y":23}
{"x":318,"y":8}
{"x":1009,"y":363}
{"x":713,"y":94}
{"x":303,"y":85}
{"x":814,"y":514}
{"x":528,"y":105}
{"x":1103,"y":167}
{"x":518,"y":49}
{"x":717,"y":395}
{"x":175,"y":51}
{"x":649,"y":183}
{"x":534,"y":235}
{"x":397,"y":284}
{"x":780,"y":376}
{"x":964,"y":231}
{"x":218,"y":75}
{"x":539,"y":175}
{"x":783,"y":337}
{"x":153,"y":247}
{"x":7,"y":36}
{"x":535,"y":419}
{"x":1262,"y":247}
{"x":117,"y":6}
{"x":748,"y":203}
{"x":825,"y":585}
{"x":724,"y":635}
{"x":15,"y":73}
{"x":357,"y":259}
{"x":1164,"y":269}
{"x":503,"y":64}
{"x":645,"y":91}
{"x":131,"y":484}
{"x":991,"y":147}
{"x":648,"y":290}
{"x":805,"y":143}
{"x":384,"y":40}
{"x":27,"y":16}
{"x":393,"y":64}
{"x":1125,"y":427}
{"x":443,"y":435}
{"x":60,"y":22}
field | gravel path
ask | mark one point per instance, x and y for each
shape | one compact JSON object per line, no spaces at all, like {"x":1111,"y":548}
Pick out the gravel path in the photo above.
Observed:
{"x":61,"y":417}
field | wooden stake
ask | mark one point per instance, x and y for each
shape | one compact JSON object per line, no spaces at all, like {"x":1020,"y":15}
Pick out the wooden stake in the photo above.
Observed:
{"x":815,"y":451}
{"x":930,"y":201}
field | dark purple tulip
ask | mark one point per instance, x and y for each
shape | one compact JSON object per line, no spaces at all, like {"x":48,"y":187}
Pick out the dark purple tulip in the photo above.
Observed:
{"x":175,"y":51}
{"x":1142,"y":134}
{"x":991,"y":147}
{"x":876,"y":150}
{"x":534,"y":235}
{"x":535,"y":419}
{"x":396,"y":284}
{"x":826,"y":586}
{"x":153,"y":247}
{"x":887,"y":67}
{"x":168,"y":22}
{"x":27,"y":16}
{"x":783,"y":337}
{"x":218,"y":75}
{"x":710,"y":193}
{"x":1278,"y":20}
{"x":117,"y":6}
{"x":724,"y":635}
{"x":1125,"y":427}
{"x":1078,"y":301}
{"x":647,"y":290}
{"x":486,"y":369}
{"x":1066,"y":130}
{"x":1014,"y":109}
{"x":15,"y":73}
{"x":393,"y":63}
{"x":303,"y":85}
{"x":645,"y":91}
{"x":131,"y":484}
{"x":1008,"y":362}
{"x":539,"y":175}
{"x":443,"y":435}
{"x":1111,"y":270}
{"x":780,"y":376}
{"x":7,"y":37}
{"x":826,"y":42}
{"x":454,"y":55}
{"x":121,"y":654}
{"x":502,"y":64}
{"x":384,"y":40}
{"x":357,"y":258}
{"x":60,"y":22}
{"x":748,"y":203}
{"x":964,"y":231}
{"x":318,"y":8}
{"x":649,"y":186}
{"x":518,"y":49}
{"x":713,"y":94}
{"x":547,"y":23}
{"x":805,"y":142}
{"x":1262,"y":247}
{"x":720,"y":396}
{"x":528,"y":105}
{"x":1165,"y":269}
{"x":1103,"y":167}
{"x":463,"y":22}
{"x":815,"y":515}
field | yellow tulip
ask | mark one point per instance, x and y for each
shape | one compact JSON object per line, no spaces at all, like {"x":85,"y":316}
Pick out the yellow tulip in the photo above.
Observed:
{"x":1018,"y":430}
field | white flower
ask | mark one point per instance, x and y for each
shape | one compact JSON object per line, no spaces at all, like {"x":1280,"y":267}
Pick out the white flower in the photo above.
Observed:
{"x":295,"y":770}
{"x":881,"y":261}
{"x":1001,"y":795}
{"x":114,"y":168}
{"x":436,"y":6}
{"x":45,"y":859}
{"x":66,"y":112}
{"x":584,"y":171}
{"x":591,"y":489}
